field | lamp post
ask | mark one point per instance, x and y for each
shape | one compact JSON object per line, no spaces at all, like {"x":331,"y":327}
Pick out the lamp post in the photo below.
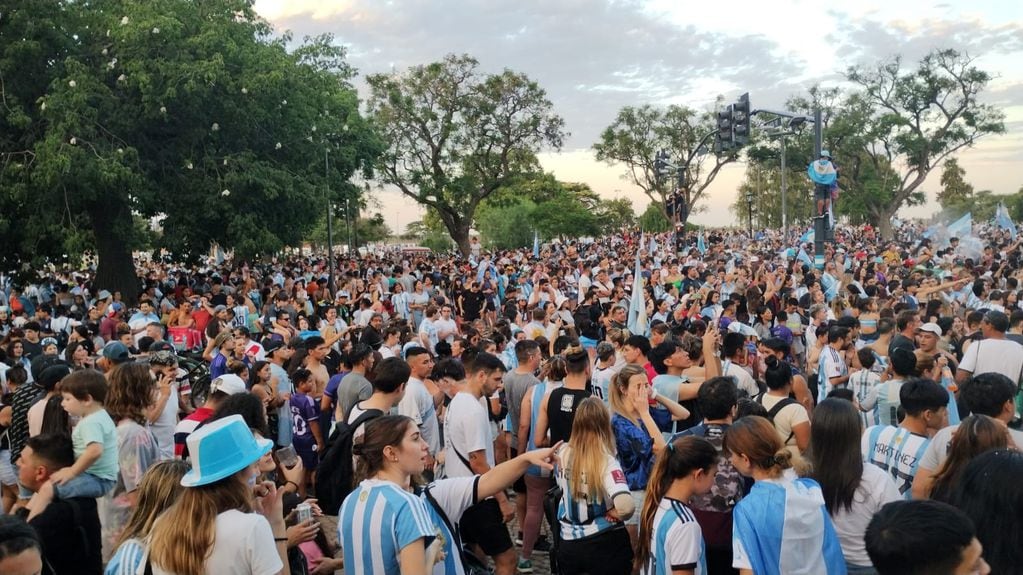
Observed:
{"x":330,"y":222}
{"x":749,"y":212}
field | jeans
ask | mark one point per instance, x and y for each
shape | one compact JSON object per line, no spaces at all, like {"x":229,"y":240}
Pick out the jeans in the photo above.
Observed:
{"x":85,"y":485}
{"x":858,"y":570}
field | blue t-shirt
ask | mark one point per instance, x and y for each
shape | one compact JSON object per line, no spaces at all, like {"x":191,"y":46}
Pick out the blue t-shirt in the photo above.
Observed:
{"x":635,"y":451}
{"x":98,"y":428}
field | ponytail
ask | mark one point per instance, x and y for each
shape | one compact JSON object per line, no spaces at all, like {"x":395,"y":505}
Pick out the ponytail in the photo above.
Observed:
{"x":680,"y":457}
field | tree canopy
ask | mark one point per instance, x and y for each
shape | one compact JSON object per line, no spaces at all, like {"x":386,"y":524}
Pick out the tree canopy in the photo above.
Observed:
{"x":189,"y":112}
{"x":637,"y":133}
{"x":456,"y":135}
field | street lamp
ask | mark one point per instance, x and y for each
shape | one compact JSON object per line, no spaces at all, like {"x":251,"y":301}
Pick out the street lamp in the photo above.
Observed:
{"x":330,"y":222}
{"x":749,"y":212}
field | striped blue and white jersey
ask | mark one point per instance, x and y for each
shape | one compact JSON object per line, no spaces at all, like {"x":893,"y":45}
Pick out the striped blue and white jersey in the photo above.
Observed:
{"x":783,"y":528}
{"x":883,"y":401}
{"x":582,"y":517}
{"x":454,"y":496}
{"x":831,"y":364}
{"x":676,"y":541}
{"x":897,"y":451}
{"x":536,"y":402}
{"x":377,"y":520}
{"x":127,"y":560}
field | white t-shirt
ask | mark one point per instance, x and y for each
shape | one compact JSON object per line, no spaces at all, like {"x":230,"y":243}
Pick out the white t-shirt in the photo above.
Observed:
{"x":466,"y":429}
{"x":417,"y":403}
{"x":787,"y":417}
{"x":744,"y":380}
{"x":937,"y":449}
{"x":163,"y":427}
{"x":875,"y":490}
{"x":1002,"y":356}
{"x":243,"y":545}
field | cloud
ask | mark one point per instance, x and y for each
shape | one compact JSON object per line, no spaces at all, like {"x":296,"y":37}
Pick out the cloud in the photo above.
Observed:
{"x":591,"y":57}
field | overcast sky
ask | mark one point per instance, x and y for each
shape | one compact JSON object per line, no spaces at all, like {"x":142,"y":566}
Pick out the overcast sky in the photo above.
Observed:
{"x":595,"y":56}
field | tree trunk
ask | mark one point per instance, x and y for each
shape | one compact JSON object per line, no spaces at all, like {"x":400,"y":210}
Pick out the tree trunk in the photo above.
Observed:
{"x":112,"y":226}
{"x":460,"y":233}
{"x":884,"y":222}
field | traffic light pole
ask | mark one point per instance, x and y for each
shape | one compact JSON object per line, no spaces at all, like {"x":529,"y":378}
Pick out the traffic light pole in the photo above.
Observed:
{"x":820,"y":225}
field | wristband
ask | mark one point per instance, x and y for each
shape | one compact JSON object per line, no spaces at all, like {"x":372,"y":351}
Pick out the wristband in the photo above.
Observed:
{"x":280,"y":539}
{"x":291,"y":482}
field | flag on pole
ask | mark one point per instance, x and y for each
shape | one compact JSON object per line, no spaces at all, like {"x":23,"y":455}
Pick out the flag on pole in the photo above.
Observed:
{"x":653,"y":245}
{"x":637,"y":303}
{"x":806,"y":237}
{"x":803,"y":257}
{"x":536,"y":244}
{"x":961,"y":227}
{"x":701,"y":245}
{"x":1004,"y":221}
{"x":831,"y":286}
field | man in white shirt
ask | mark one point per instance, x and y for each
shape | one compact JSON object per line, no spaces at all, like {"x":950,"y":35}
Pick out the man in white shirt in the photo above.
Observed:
{"x":469,"y":450}
{"x":994,"y":353}
{"x":447,"y":330}
{"x":418,"y":403}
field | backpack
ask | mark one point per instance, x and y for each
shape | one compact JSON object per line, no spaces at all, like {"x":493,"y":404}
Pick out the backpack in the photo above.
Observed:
{"x":335,"y":475}
{"x":551,"y":501}
{"x":771,"y":413}
{"x":471,"y":565}
{"x":713,"y":510}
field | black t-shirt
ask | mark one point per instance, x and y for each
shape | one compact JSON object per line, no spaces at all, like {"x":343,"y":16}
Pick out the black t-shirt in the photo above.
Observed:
{"x":561,"y":407}
{"x":901,"y":341}
{"x":472,"y":304}
{"x":70,"y":536}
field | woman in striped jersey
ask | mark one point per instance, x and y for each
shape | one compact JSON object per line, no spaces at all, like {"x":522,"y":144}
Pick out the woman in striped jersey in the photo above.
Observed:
{"x":383,"y":528}
{"x":596,"y":498}
{"x":671,"y":542}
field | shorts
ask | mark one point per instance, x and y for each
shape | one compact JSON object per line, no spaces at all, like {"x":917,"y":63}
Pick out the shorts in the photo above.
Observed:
{"x":821,"y":192}
{"x":520,"y":484}
{"x":8,"y":473}
{"x":587,"y":343}
{"x":483,"y":525}
{"x":638,"y":496}
{"x":606,"y":553}
{"x":310,"y":459}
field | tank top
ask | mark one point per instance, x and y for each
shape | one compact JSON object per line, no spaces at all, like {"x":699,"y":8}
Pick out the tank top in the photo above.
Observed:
{"x":561,"y":411}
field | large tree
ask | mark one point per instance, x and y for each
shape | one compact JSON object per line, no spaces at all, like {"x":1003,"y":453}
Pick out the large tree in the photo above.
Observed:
{"x":915,"y":119}
{"x":192,"y":112}
{"x":456,"y":135}
{"x":637,"y":133}
{"x":954,"y":187}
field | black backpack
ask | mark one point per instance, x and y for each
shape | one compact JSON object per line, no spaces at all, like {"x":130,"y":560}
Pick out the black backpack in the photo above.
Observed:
{"x":335,"y":476}
{"x":785,"y":402}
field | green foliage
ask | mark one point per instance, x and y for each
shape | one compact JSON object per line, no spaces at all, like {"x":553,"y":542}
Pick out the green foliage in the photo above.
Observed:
{"x":373,"y":229}
{"x":765,"y":184}
{"x":653,"y":219}
{"x":613,"y":215}
{"x":191,"y":111}
{"x":507,"y":226}
{"x":454,"y":135}
{"x":637,"y":133}
{"x":954,"y":187}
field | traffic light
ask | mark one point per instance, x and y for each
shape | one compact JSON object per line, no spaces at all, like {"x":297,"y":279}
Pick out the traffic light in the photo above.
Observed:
{"x":662,"y":167}
{"x":681,"y":178}
{"x":725,"y":138}
{"x":740,"y":121}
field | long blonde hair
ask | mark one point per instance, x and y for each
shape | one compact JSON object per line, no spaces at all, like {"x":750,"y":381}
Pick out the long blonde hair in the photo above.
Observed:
{"x":183,"y":538}
{"x":619,"y":399}
{"x":159,"y":489}
{"x":592,"y":441}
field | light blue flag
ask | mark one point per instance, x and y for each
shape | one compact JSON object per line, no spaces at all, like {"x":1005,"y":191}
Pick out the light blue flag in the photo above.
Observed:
{"x":786,"y":253}
{"x":795,"y":508}
{"x":637,"y":303}
{"x":830,"y":286}
{"x":805,"y":258}
{"x":961,"y":227}
{"x":536,"y":244}
{"x":701,"y":245}
{"x":806,"y":237}
{"x":653,"y":245}
{"x":1004,"y":221}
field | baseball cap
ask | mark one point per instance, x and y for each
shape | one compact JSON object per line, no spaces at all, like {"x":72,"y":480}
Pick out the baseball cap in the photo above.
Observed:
{"x":931,"y":327}
{"x":228,"y":383}
{"x":161,"y":346}
{"x":272,"y":345}
{"x":220,"y":308}
{"x":116,"y":351}
{"x":343,"y":293}
{"x":103,"y":294}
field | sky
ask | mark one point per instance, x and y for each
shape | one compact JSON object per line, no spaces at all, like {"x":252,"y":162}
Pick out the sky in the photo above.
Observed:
{"x":595,"y":56}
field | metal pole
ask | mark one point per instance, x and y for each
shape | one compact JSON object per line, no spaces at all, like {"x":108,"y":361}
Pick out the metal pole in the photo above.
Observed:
{"x":820,"y":224}
{"x":784,"y":194}
{"x":330,"y":223}
{"x":348,"y":227}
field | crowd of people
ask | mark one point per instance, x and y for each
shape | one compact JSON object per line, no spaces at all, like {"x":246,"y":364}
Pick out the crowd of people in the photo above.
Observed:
{"x":664,"y":404}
